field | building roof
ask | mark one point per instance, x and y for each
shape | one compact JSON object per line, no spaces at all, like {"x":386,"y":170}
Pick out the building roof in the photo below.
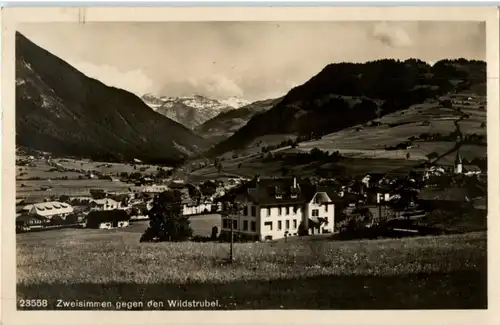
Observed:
{"x":446,"y":194}
{"x":278,"y":191}
{"x":25,"y":217}
{"x":50,"y":208}
{"x":105,"y":201}
{"x":96,"y":217}
{"x":472,"y":168}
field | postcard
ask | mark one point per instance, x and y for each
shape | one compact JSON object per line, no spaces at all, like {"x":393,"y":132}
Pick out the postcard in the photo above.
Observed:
{"x":250,"y":165}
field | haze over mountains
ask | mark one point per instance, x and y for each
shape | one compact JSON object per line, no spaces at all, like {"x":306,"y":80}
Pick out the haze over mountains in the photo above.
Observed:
{"x":60,"y":110}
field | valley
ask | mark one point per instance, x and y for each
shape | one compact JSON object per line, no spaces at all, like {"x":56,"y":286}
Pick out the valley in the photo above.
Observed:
{"x":159,"y":194}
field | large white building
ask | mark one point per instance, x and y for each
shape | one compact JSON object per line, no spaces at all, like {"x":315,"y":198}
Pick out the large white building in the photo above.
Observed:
{"x":275,"y":208}
{"x":49,"y":210}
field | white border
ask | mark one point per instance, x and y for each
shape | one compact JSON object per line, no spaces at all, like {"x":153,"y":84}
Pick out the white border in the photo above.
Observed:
{"x":12,"y":16}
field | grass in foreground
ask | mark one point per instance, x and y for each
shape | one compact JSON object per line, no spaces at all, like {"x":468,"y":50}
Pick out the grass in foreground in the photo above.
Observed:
{"x":423,"y":272}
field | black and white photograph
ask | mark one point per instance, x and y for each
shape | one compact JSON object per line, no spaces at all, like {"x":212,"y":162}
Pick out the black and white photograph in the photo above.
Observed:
{"x":251,"y":165}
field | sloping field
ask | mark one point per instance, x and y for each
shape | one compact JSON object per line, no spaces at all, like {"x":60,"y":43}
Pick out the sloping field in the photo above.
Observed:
{"x":109,"y":168}
{"x":369,"y":141}
{"x":33,"y":189}
{"x":421,"y":272}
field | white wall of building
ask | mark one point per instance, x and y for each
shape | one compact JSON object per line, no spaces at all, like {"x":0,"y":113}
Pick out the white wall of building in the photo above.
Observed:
{"x":323,"y":209}
{"x":275,"y":221}
{"x":188,"y":210}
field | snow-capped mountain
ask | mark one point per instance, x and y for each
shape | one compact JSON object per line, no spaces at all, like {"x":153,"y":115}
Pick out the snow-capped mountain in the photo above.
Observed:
{"x":235,"y":102}
{"x":191,"y":111}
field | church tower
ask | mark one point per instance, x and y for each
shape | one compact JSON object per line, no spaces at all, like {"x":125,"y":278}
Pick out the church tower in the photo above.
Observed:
{"x":458,"y":163}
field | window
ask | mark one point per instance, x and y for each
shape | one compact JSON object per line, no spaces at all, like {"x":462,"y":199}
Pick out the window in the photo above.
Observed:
{"x":224,"y":223}
{"x":268,"y":212}
{"x":245,"y":225}
{"x":326,"y":207}
{"x":279,"y":211}
{"x":279,"y":225}
{"x":269,"y":224}
{"x":245,"y":211}
{"x":253,"y":226}
{"x":235,"y":224}
{"x":294,"y":224}
{"x":293,"y":195}
{"x":290,"y":210}
{"x":287,"y":224}
{"x":253,"y":211}
{"x":315,"y":213}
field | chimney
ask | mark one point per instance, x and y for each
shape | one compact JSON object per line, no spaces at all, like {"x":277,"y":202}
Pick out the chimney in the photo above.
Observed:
{"x":294,"y":182}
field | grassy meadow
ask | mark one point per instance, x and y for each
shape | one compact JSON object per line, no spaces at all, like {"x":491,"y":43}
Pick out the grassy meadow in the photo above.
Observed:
{"x":419,"y":272}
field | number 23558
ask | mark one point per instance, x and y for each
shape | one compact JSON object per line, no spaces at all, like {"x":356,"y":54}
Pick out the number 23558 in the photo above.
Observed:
{"x":30,"y":303}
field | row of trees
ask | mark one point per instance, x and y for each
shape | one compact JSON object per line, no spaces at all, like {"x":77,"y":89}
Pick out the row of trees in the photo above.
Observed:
{"x":302,"y":158}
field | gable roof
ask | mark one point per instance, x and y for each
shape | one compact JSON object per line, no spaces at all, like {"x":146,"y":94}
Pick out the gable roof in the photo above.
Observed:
{"x":105,"y":201}
{"x":472,"y":168}
{"x":96,"y":217}
{"x":280,"y":191}
{"x":447,"y":194}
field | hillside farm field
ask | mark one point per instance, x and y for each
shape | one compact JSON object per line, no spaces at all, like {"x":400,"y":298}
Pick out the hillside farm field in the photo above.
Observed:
{"x":364,"y":146}
{"x":32,"y":179}
{"x":370,"y":141}
{"x":421,"y":272}
{"x":42,"y":169}
{"x":33,"y":188}
{"x":112,"y":168}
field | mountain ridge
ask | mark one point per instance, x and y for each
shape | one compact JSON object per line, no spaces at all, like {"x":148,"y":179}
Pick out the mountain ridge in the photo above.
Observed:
{"x":227,"y":123}
{"x":345,"y":94}
{"x":62,"y":111}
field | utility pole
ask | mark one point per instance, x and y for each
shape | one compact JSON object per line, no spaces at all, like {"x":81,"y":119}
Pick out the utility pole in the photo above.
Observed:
{"x":228,"y":214}
{"x":231,"y":242}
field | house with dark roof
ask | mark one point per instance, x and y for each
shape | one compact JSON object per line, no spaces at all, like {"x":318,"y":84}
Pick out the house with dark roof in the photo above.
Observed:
{"x":275,"y":207}
{"x":470,"y":170}
{"x":108,"y":219}
{"x":452,"y":198}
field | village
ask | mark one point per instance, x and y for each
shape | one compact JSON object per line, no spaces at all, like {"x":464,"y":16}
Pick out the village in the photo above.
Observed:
{"x":272,"y":207}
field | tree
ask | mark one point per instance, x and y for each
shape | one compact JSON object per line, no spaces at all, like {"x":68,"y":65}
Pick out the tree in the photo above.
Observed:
{"x":432,"y":155}
{"x":208,"y":188}
{"x":302,"y":231}
{"x":166,"y":220}
{"x":215,"y":233}
{"x":64,"y":198}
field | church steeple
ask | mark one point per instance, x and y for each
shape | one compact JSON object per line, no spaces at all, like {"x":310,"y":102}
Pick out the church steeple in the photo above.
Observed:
{"x":458,"y":163}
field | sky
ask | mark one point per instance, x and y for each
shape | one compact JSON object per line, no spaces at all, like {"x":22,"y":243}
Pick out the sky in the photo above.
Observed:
{"x":249,"y":60}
